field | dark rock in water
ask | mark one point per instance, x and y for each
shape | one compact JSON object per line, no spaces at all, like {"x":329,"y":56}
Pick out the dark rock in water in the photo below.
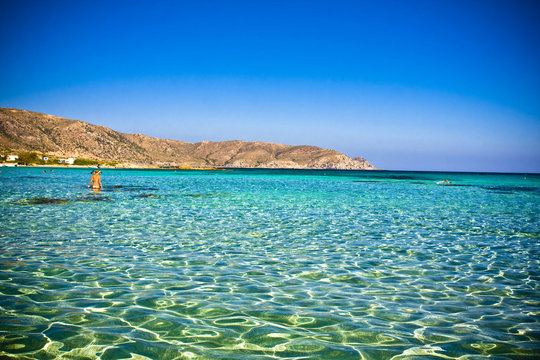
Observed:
{"x":94,"y":199}
{"x":504,"y":189}
{"x":201,"y":195}
{"x":206,"y":195}
{"x":40,"y":201}
{"x":130,"y":188}
{"x":54,"y":201}
{"x":147,"y":195}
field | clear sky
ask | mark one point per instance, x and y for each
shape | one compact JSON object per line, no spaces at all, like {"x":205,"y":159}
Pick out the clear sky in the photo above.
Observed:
{"x":409,"y":85}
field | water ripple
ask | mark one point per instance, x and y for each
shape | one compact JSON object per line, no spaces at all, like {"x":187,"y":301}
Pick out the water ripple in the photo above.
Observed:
{"x":255,"y":265}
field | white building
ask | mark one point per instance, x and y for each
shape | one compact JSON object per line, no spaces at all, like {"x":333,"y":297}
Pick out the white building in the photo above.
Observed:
{"x":67,"y":161}
{"x":12,"y":158}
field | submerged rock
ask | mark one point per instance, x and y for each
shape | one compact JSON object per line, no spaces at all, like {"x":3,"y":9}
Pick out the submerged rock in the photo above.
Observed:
{"x":147,"y":196}
{"x":40,"y":201}
{"x":56,"y":201}
{"x":94,"y":198}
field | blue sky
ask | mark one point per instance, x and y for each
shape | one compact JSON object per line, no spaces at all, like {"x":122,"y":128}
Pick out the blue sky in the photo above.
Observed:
{"x":409,"y":85}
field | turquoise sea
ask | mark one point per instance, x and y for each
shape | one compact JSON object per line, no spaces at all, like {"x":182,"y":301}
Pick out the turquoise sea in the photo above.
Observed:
{"x":269,"y":264}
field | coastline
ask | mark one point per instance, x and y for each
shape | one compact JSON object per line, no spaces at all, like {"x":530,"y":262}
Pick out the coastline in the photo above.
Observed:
{"x":154,"y":167}
{"x":181,"y":167}
{"x":128,"y":166}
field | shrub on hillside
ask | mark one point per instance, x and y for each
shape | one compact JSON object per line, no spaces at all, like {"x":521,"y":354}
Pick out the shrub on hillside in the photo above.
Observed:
{"x":84,"y":162}
{"x":29,"y":158}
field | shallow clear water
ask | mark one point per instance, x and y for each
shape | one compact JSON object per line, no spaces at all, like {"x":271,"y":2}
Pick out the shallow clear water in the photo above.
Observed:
{"x":268,"y":264}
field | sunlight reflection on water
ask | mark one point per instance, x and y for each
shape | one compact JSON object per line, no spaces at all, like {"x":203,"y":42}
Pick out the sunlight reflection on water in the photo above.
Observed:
{"x":268,"y":264}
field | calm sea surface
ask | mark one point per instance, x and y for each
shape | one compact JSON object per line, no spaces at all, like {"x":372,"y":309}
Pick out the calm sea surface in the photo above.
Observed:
{"x":269,"y":265}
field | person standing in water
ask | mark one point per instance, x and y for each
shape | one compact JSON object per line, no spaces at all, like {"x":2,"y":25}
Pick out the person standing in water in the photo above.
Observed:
{"x":96,"y":180}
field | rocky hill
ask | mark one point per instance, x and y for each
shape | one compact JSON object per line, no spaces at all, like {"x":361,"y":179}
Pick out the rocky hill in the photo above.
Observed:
{"x":22,"y":130}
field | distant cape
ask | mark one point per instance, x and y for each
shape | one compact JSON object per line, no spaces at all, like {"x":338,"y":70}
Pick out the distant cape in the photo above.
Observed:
{"x":29,"y":131}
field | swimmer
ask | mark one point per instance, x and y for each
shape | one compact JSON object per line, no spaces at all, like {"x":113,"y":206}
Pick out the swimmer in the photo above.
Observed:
{"x":96,"y":180}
